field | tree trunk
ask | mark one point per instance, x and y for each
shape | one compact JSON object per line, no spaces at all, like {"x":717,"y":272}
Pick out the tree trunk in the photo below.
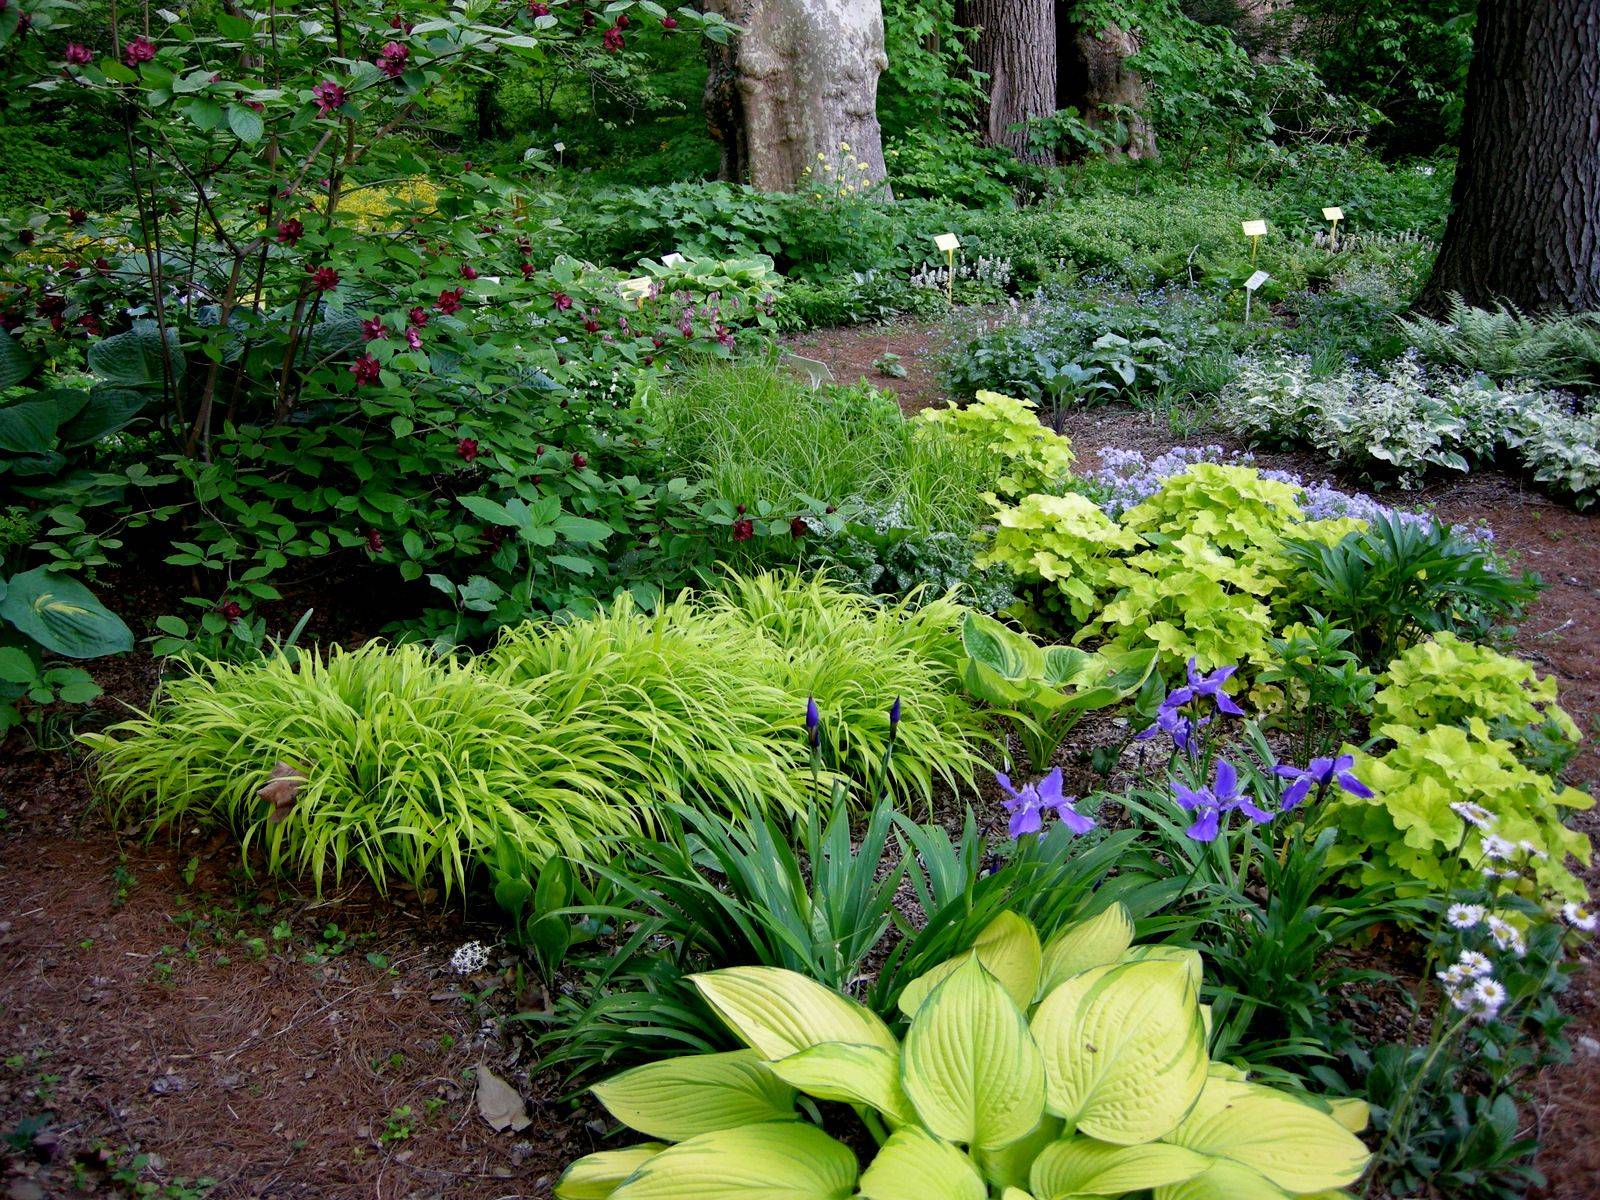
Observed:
{"x":1014,"y":44}
{"x":1096,"y":80}
{"x":1525,"y":213}
{"x":794,"y":99}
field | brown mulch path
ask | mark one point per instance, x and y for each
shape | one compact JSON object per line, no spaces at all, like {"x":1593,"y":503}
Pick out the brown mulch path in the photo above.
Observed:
{"x":1561,"y":635}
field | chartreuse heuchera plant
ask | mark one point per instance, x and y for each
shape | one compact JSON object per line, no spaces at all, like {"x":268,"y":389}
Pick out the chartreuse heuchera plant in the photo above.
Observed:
{"x":1030,"y":1072}
{"x":1036,"y":458}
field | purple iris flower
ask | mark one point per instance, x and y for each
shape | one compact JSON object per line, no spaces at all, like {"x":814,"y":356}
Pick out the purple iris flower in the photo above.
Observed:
{"x":1201,"y":686}
{"x":1028,"y":804}
{"x":813,"y":721}
{"x":1209,"y":803}
{"x":894,"y":713}
{"x":1183,"y":730}
{"x":1319,"y":773}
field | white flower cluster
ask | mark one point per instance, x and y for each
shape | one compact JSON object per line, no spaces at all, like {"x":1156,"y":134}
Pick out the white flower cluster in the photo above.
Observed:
{"x":469,"y":958}
{"x":1472,"y":988}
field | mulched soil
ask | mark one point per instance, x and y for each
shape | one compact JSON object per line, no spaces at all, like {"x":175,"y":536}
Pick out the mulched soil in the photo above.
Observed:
{"x":155,"y":999}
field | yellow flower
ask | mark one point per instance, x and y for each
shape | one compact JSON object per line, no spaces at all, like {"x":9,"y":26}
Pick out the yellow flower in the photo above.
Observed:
{"x":844,"y":145}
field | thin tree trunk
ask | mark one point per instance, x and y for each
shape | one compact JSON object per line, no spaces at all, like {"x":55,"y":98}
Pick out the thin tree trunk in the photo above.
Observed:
{"x":1014,"y":44}
{"x":794,"y":100}
{"x":1525,"y":218}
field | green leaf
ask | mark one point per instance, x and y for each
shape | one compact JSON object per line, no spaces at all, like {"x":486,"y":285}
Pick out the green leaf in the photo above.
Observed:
{"x":596,"y":1176}
{"x":487,"y":510}
{"x":678,"y":1098}
{"x":63,"y":616}
{"x":582,"y":530}
{"x":969,"y":1064}
{"x":1081,"y":1166}
{"x":1226,"y":1181}
{"x":848,"y":1074}
{"x":17,"y":666}
{"x":1096,"y":942}
{"x":108,"y":410}
{"x":133,"y":358}
{"x":1007,"y":1166}
{"x":1298,"y":1147}
{"x":780,"y":1012}
{"x":16,"y":364}
{"x":915,"y":1165}
{"x":246,"y":124}
{"x":1124,"y":1049}
{"x":1011,"y":655}
{"x":29,"y":427}
{"x":787,"y":1161}
{"x":1009,"y":950}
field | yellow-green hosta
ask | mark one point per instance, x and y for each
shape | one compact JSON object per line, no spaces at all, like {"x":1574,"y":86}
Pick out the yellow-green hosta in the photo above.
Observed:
{"x":1031,"y":1070}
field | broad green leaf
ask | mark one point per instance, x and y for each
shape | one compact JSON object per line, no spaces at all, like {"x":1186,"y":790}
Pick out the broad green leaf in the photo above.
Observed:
{"x":1190,"y":959}
{"x":1008,"y":1166}
{"x":1224,"y":1180}
{"x":1095,"y":942}
{"x":29,"y":426}
{"x":1296,"y":1146}
{"x":787,"y":1161}
{"x":108,"y":410}
{"x":1124,"y":1050}
{"x":246,"y":124}
{"x":1351,"y":1112}
{"x":781,"y":1012}
{"x":1015,"y":1193}
{"x":1009,"y":950}
{"x":15,"y":363}
{"x":63,"y":616}
{"x":489,"y":510}
{"x":1080,"y":1166}
{"x":679,"y":1098}
{"x":1013,"y":656}
{"x":133,"y":358}
{"x":915,"y":1165}
{"x":596,"y":1176}
{"x":850,"y":1075}
{"x":969,"y":1064}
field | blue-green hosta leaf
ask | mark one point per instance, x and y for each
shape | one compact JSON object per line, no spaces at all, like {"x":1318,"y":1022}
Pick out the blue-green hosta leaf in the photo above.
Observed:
{"x":679,"y":1098}
{"x":108,"y":410}
{"x":915,"y":1165}
{"x":850,"y":1075}
{"x":782,"y":1012}
{"x":787,"y":1161}
{"x":1013,"y":656}
{"x":596,"y":1176}
{"x":63,"y":616}
{"x":1080,"y":1166}
{"x":16,"y":364}
{"x":1009,"y":950}
{"x":1297,"y":1147}
{"x":133,"y":358}
{"x":1124,"y":1050}
{"x":30,"y":426}
{"x":969,"y":1064}
{"x":1094,"y":942}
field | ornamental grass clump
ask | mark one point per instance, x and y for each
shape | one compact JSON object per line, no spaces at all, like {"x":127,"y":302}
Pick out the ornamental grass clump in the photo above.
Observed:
{"x":1073,"y":1067}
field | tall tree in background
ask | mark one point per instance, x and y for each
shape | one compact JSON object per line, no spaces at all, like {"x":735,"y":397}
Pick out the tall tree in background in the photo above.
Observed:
{"x":1094,"y":77}
{"x":1525,"y":219}
{"x":794,"y":97}
{"x":1014,"y":44}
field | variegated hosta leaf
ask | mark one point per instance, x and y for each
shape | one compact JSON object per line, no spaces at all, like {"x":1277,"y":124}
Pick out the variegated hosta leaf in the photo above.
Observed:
{"x":867,"y":1075}
{"x":1009,"y":950}
{"x":1008,"y":1166}
{"x":1189,"y":958}
{"x":1083,"y":945}
{"x":780,"y":1012}
{"x":1295,"y":1146}
{"x":678,"y":1098}
{"x":1124,"y":1050}
{"x":596,"y":1176}
{"x":1080,"y":1166}
{"x":785,"y":1161}
{"x":969,"y":1064}
{"x":915,"y":1165}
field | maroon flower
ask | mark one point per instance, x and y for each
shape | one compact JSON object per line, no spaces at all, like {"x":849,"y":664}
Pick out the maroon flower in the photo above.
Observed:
{"x":561,"y":300}
{"x":291,"y":231}
{"x":77,"y":216}
{"x":392,"y":59}
{"x":324,"y":279}
{"x":90,"y":324}
{"x":79,"y":55}
{"x":611,"y":39}
{"x":413,"y":338}
{"x":798,"y":527}
{"x":230,"y":610}
{"x":743,"y":529}
{"x":373,"y":328}
{"x":374,"y":541}
{"x":400,"y":23}
{"x":669,"y":22}
{"x":468,"y":271}
{"x":327,"y":96}
{"x":536,"y":9}
{"x":418,"y":316}
{"x":591,"y":324}
{"x":467,"y":448}
{"x":140,"y":50}
{"x":365,"y":369}
{"x":450,"y":300}
{"x":527,"y":269}
{"x":579,"y":461}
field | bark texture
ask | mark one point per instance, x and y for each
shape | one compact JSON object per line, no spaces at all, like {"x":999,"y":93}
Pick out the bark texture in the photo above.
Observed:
{"x":1525,"y":218}
{"x":800,"y":81}
{"x":1014,"y":44}
{"x":1113,"y":94}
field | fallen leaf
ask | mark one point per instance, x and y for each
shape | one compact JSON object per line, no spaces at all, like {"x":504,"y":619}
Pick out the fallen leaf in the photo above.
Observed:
{"x":499,"y":1104}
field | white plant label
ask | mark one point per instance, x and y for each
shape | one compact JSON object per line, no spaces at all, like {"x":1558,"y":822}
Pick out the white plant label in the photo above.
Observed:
{"x":948,"y":242}
{"x":1334,"y":213}
{"x":1256,"y":281}
{"x":673,"y":260}
{"x":1254,"y":228}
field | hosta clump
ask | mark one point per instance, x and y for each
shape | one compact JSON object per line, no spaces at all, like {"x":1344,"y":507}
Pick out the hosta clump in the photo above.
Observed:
{"x":1073,"y":1068}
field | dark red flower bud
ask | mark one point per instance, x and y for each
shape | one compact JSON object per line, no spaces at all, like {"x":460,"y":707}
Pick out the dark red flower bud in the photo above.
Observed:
{"x":561,"y":300}
{"x":374,"y":541}
{"x":365,"y":369}
{"x":579,"y":461}
{"x":467,"y":448}
{"x":230,"y":610}
{"x":743,"y":529}
{"x":798,"y":527}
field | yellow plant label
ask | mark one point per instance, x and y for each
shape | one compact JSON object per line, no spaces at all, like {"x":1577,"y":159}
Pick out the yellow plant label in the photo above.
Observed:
{"x":1333,"y":214}
{"x":948,"y":242}
{"x":1254,"y":228}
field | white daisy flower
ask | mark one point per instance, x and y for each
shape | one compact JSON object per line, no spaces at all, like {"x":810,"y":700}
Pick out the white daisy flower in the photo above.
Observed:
{"x":1579,"y":916}
{"x":1490,"y":995}
{"x":1531,"y":850}
{"x":1496,"y":849}
{"x":1474,"y":964}
{"x":1465,"y":916}
{"x":1473,"y":814}
{"x":1453,"y":977}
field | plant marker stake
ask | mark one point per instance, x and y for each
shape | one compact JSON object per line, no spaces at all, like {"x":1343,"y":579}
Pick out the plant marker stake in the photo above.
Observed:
{"x":949,"y":243}
{"x":1333,"y":215}
{"x":1255,"y":231}
{"x":1250,"y":286}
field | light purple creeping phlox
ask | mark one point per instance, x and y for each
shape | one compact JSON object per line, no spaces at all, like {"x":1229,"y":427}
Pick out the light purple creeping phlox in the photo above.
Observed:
{"x":1319,"y":773}
{"x":1200,"y":686}
{"x":1028,"y":804}
{"x":1209,"y":803}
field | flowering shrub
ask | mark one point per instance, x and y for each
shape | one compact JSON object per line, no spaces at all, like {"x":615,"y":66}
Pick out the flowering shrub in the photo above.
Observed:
{"x":1436,"y":795}
{"x":990,"y":1088}
{"x":1031,"y":457}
